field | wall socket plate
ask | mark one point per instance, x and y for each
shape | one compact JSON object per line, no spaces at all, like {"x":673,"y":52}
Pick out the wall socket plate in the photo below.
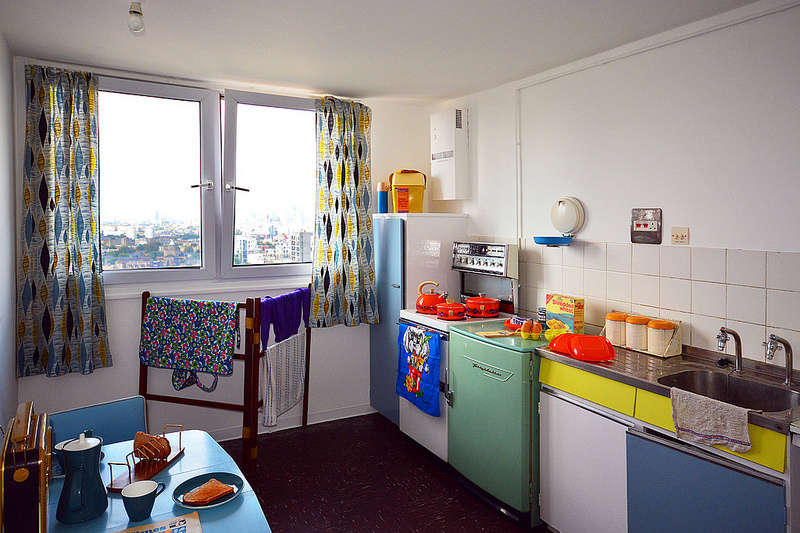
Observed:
{"x":680,"y":235}
{"x":646,"y":225}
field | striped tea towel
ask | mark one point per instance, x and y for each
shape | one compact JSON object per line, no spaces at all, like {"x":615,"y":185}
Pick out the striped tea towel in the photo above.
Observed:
{"x":283,"y":376}
{"x":707,"y":421}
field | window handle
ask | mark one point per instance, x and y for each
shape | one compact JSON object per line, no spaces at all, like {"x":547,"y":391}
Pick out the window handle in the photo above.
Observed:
{"x":207,"y":185}
{"x":229,"y":187}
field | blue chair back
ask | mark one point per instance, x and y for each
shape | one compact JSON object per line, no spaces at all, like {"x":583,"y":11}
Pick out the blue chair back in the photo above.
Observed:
{"x":115,"y":421}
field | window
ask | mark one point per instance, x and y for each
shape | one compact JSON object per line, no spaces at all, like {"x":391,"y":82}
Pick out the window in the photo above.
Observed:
{"x":167,"y":209}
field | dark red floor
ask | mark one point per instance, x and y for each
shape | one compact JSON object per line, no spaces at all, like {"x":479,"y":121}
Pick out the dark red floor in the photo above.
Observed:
{"x":360,"y":474}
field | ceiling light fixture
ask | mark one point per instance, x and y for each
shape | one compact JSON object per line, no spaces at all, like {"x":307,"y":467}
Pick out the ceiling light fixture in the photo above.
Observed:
{"x":135,"y":17}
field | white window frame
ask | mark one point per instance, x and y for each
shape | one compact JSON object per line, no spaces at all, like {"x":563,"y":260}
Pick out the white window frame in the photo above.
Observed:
{"x":210,"y":163}
{"x":228,"y":270}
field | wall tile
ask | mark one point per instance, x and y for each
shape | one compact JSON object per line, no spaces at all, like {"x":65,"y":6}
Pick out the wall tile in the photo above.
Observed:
{"x":708,"y":264}
{"x":675,"y":294}
{"x":676,"y":261}
{"x":616,"y":305}
{"x":618,"y":257}
{"x":532,"y":275}
{"x":573,"y":254}
{"x":573,"y":281}
{"x":644,"y":290}
{"x":645,"y":259}
{"x":594,"y":283}
{"x":594,"y":255}
{"x":783,"y":309}
{"x":530,"y":252}
{"x":783,"y":270}
{"x":618,"y":286}
{"x":780,"y":356}
{"x":746,"y":267}
{"x":708,"y":299}
{"x":686,"y":323}
{"x":752,"y":336}
{"x":595,"y":311}
{"x":527,"y":296}
{"x":644,"y":310}
{"x":552,"y":277}
{"x":746,"y":304}
{"x":705,"y":330}
{"x":551,"y":255}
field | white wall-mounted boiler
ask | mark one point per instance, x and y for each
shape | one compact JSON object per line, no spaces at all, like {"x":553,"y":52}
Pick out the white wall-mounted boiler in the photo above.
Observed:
{"x":450,"y":155}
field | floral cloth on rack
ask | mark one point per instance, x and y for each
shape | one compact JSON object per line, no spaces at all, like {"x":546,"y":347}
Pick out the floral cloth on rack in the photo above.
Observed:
{"x":189,"y":335}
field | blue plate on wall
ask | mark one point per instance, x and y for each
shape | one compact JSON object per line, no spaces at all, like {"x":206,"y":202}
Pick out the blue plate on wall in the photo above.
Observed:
{"x":553,"y":241}
{"x":190,"y":484}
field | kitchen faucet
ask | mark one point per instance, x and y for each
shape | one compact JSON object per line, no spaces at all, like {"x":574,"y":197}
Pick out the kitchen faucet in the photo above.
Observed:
{"x":772,"y":347}
{"x":722,"y":340}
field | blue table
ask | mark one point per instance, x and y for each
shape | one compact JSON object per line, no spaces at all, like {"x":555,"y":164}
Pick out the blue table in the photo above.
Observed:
{"x":202,"y":455}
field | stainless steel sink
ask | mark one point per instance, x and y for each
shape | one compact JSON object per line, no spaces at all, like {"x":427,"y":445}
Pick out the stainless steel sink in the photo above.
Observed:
{"x":734,"y":390}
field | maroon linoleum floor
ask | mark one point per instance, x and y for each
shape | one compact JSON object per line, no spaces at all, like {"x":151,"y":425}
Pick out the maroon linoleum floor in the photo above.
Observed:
{"x":360,"y":475}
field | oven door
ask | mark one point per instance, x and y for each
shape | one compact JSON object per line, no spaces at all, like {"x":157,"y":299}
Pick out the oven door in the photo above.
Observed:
{"x":429,"y":431}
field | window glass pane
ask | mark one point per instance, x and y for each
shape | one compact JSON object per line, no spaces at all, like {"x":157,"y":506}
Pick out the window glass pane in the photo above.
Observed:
{"x":276,"y":160}
{"x":149,"y":158}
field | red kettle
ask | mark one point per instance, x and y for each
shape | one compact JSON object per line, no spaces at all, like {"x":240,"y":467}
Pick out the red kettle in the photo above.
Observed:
{"x":426,"y":303}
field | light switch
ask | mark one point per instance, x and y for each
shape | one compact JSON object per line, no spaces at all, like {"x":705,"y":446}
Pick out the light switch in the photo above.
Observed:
{"x":680,"y":235}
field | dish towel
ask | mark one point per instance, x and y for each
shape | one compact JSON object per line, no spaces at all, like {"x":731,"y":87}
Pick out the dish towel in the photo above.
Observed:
{"x":707,"y":421}
{"x":283,"y":376}
{"x":189,"y":336}
{"x":419,"y":352}
{"x":283,"y":313}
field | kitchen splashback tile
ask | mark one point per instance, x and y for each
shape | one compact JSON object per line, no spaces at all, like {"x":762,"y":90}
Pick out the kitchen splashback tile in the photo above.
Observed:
{"x":644,"y":290}
{"x":618,"y":286}
{"x":675,"y":294}
{"x":573,"y":281}
{"x":783,"y":270}
{"x":676,"y":262}
{"x":595,"y":311}
{"x":708,"y":299}
{"x":644,"y":310}
{"x":551,"y":255}
{"x":746,"y":304}
{"x":618,"y":257}
{"x":705,"y":330}
{"x":552,"y":277}
{"x":752,"y":336}
{"x":708,"y":264}
{"x":530,"y":252}
{"x":616,"y":305}
{"x":594,"y":255}
{"x":645,"y":259}
{"x":783,"y":309}
{"x":746,"y":267}
{"x":594,"y":283}
{"x":573,"y":254}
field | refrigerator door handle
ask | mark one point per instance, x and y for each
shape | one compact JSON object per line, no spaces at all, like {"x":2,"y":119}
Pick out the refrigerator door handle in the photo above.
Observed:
{"x":396,"y":285}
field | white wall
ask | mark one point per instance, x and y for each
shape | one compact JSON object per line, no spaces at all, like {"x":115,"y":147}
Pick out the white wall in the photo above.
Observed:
{"x":340,"y":356}
{"x":8,"y":382}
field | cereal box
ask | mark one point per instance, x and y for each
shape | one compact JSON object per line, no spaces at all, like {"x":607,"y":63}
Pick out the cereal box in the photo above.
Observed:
{"x":565,"y":312}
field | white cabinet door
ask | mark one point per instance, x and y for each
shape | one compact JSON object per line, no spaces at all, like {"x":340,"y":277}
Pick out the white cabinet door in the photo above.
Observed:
{"x":582,"y":461}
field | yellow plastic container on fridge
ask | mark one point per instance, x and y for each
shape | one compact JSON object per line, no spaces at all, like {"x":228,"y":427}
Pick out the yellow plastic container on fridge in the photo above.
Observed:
{"x":408,"y":190}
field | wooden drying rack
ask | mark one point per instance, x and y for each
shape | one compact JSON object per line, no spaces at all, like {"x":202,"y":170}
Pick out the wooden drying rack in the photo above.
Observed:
{"x":251,"y":357}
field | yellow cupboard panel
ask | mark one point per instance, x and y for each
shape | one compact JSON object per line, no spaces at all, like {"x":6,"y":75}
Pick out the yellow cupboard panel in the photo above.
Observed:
{"x":603,"y":391}
{"x":769,"y":447}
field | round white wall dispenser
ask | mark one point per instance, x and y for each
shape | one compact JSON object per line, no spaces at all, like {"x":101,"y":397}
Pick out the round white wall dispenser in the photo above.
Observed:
{"x":567,"y":216}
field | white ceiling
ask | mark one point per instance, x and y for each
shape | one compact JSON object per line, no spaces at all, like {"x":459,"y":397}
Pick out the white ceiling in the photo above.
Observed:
{"x":358,"y":48}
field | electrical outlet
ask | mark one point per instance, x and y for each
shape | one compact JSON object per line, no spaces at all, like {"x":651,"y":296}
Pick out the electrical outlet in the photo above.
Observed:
{"x":680,"y":235}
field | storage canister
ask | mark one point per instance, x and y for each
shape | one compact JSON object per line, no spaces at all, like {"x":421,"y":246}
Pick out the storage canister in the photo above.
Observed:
{"x":659,"y":335}
{"x":383,"y":197}
{"x":615,"y":327}
{"x":636,"y":332}
{"x":408,"y":190}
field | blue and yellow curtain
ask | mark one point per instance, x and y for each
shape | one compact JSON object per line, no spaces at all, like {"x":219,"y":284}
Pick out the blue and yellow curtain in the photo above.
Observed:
{"x":343,"y":284}
{"x":61,"y":322}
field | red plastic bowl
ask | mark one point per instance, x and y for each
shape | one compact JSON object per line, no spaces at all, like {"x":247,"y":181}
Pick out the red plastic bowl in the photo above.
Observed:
{"x":592,"y":348}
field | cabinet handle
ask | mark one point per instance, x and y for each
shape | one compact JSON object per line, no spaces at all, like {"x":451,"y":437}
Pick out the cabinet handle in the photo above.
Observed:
{"x":396,"y":285}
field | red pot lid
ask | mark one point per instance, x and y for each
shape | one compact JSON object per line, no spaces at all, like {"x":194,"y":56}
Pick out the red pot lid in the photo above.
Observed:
{"x":482,"y":300}
{"x":455,"y":306}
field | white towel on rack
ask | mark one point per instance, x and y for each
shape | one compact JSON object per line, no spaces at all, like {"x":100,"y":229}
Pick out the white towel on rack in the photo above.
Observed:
{"x":283,"y":376}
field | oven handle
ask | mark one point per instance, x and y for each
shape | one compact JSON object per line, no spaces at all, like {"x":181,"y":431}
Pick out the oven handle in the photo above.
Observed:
{"x":442,"y":335}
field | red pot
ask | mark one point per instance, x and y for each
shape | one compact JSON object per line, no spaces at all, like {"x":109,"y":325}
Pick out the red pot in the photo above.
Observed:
{"x":426,"y":303}
{"x":451,"y":311}
{"x":482,"y":307}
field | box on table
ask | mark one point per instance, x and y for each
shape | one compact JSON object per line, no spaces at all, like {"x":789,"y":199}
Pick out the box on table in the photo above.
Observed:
{"x":565,"y":311}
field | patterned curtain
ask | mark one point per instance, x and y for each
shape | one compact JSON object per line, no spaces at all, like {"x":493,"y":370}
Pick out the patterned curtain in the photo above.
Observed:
{"x":343,"y":284}
{"x":61,"y":322}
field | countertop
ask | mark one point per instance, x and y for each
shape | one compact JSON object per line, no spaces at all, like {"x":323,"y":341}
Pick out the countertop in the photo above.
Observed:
{"x":642,"y":370}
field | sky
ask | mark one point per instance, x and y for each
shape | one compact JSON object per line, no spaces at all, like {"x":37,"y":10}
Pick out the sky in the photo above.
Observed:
{"x":149,"y":158}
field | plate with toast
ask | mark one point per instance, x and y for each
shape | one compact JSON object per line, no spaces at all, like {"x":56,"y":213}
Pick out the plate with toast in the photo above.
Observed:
{"x":208,"y":490}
